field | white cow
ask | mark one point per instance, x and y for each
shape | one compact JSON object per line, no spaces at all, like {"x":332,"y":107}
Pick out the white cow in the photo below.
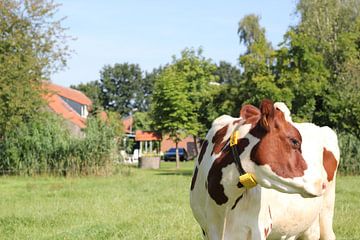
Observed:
{"x":298,"y":160}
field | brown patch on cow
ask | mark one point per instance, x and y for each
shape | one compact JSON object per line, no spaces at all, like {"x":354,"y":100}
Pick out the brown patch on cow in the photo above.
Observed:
{"x":215,"y":188}
{"x":193,"y":181}
{"x":279,"y":145}
{"x":258,"y":131}
{"x":218,"y":140}
{"x":202,"y":151}
{"x":236,"y":202}
{"x":251,"y":114}
{"x":330,"y":164}
{"x":270,"y":212}
{"x":266,"y":231}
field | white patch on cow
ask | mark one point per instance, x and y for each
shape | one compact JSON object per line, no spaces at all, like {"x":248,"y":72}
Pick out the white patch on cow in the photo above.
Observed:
{"x":230,"y":178}
{"x":246,"y":162}
{"x":282,"y":107}
{"x":243,"y":130}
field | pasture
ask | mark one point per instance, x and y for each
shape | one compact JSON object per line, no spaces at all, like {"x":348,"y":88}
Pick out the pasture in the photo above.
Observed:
{"x":131,"y":204}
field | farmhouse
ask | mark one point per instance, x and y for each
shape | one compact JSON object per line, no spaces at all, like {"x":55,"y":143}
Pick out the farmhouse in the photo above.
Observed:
{"x":149,"y":141}
{"x":68,"y":103}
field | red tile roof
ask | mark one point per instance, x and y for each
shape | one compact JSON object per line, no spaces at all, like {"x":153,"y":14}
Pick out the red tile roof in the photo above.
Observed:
{"x":62,"y":108}
{"x":147,"y":136}
{"x":59,"y":106}
{"x":69,"y":93}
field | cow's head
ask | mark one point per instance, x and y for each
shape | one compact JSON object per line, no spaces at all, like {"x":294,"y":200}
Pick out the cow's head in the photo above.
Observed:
{"x":277,"y":157}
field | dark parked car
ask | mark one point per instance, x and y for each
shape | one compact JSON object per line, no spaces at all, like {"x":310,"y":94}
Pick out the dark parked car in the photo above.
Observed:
{"x":170,"y":155}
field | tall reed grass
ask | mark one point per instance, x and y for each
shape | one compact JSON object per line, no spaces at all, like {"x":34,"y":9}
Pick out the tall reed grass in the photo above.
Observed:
{"x":44,"y":145}
{"x":349,"y":154}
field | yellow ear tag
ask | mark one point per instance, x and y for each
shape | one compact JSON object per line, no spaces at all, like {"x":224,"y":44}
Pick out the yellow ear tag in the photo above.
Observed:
{"x":234,"y":138}
{"x":248,"y":180}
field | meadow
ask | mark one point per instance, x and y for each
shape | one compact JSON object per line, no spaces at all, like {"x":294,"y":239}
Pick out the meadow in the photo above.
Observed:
{"x":131,"y":204}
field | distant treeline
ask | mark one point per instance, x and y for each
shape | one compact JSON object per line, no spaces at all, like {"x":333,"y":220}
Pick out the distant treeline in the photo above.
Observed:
{"x":315,"y":70}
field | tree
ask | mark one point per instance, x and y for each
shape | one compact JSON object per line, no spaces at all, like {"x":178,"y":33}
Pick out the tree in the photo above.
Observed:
{"x":119,"y":87}
{"x":32,"y":45}
{"x":257,"y":63}
{"x":123,"y":88}
{"x":147,"y":88}
{"x":333,"y":29}
{"x":171,"y":109}
{"x":201,"y":84}
{"x":142,"y":121}
{"x":226,"y":99}
{"x":93,"y":91}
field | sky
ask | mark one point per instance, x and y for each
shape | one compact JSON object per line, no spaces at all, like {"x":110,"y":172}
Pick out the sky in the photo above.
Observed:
{"x":150,"y":32}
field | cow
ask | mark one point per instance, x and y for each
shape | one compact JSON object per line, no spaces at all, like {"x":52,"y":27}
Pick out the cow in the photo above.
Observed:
{"x":289,"y":168}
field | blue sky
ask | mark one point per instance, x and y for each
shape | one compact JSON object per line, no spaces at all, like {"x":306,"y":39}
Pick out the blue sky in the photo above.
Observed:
{"x":150,"y":32}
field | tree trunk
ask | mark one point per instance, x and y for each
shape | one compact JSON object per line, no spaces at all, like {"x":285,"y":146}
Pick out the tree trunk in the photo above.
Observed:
{"x":177,"y":155}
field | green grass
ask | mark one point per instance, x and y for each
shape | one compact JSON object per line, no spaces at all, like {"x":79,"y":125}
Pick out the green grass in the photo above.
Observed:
{"x":133,"y":204}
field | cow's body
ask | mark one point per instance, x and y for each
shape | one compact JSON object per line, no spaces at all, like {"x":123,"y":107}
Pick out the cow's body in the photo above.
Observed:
{"x":226,"y":210}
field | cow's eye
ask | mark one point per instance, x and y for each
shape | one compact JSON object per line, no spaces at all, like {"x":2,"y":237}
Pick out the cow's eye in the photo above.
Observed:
{"x":295,"y":143}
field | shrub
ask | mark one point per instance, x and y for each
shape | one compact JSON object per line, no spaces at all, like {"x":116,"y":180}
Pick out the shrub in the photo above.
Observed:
{"x":44,"y":145}
{"x":349,"y":154}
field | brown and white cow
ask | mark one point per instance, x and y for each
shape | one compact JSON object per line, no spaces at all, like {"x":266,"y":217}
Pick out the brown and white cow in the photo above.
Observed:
{"x":294,"y":165}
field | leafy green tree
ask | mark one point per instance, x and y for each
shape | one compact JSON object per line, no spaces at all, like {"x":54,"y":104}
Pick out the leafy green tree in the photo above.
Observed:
{"x":228,"y":74}
{"x":333,"y":29}
{"x":257,"y":63}
{"x":32,"y":45}
{"x":147,"y":88}
{"x":201,"y":84}
{"x":121,"y":88}
{"x":142,"y":121}
{"x":93,"y":91}
{"x":226,"y":98}
{"x":171,"y":108}
{"x":301,"y":69}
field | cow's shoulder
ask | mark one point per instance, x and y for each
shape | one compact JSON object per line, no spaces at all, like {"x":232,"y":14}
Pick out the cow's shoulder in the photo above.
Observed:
{"x":330,"y":141}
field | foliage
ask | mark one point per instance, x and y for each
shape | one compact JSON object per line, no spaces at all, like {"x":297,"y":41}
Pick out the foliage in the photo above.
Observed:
{"x":123,"y":88}
{"x":43,"y":145}
{"x":91,"y":90}
{"x":198,"y":73}
{"x":171,"y":109}
{"x":349,"y":149}
{"x":259,"y":81}
{"x":32,"y":45}
{"x":147,"y":88}
{"x":226,"y":96}
{"x":142,"y":121}
{"x":333,"y":27}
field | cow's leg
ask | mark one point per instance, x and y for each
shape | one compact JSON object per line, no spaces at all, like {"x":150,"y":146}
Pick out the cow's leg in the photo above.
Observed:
{"x":327,"y":213}
{"x":313,"y":232}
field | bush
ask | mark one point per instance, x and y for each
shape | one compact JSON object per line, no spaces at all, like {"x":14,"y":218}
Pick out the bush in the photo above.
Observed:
{"x":44,"y":145}
{"x":349,"y":154}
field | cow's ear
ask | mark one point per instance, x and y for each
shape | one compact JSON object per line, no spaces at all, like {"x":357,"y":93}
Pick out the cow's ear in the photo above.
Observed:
{"x":267,"y":114}
{"x":251,"y":114}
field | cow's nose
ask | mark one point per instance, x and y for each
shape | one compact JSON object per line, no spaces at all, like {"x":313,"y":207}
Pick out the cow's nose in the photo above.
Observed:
{"x":324,"y":186}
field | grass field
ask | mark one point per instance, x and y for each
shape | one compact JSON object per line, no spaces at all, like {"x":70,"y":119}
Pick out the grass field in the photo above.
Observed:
{"x":133,"y":204}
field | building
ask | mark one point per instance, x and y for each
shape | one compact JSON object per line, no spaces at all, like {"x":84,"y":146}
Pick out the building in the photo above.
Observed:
{"x":149,"y":141}
{"x":70,"y":104}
